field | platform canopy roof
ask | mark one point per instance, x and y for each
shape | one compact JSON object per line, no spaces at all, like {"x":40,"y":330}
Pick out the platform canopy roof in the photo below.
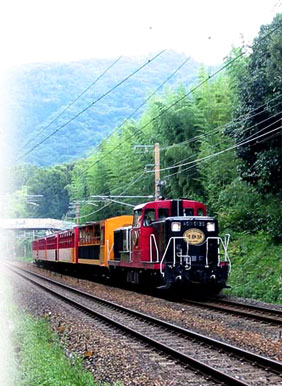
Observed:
{"x":34,"y":224}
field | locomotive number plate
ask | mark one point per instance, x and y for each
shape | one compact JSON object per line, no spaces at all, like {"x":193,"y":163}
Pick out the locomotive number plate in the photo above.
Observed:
{"x":194,"y":236}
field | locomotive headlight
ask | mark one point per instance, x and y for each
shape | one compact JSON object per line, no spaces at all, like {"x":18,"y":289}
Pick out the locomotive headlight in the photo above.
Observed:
{"x":175,"y":226}
{"x":210,"y":226}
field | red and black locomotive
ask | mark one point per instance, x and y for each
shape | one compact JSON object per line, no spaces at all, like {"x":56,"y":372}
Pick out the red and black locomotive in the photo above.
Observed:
{"x":173,"y":243}
{"x":166,"y":244}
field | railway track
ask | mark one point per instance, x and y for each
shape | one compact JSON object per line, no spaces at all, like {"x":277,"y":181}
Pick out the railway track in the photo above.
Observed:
{"x":222,"y":362}
{"x":261,"y":314}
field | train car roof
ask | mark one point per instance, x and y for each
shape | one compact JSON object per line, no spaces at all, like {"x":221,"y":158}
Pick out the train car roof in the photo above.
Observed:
{"x":189,"y":218}
{"x":159,"y":203}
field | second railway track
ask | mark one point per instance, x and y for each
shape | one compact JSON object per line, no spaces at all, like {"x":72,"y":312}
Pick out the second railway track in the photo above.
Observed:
{"x":261,"y":314}
{"x":222,"y":362}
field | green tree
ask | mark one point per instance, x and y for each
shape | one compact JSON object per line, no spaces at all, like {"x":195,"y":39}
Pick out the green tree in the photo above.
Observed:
{"x":215,"y":101}
{"x":259,"y":90}
{"x":51,"y":184}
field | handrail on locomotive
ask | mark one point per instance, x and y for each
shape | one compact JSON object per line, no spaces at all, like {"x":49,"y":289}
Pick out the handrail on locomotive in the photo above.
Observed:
{"x":224,"y":243}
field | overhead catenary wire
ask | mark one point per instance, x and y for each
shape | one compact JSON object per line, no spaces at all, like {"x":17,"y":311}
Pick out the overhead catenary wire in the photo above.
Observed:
{"x":133,"y":182}
{"x":90,"y":105}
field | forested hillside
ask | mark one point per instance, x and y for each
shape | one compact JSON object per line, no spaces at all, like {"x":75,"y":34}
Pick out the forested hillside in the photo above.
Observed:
{"x":40,"y":92}
{"x":220,"y":143}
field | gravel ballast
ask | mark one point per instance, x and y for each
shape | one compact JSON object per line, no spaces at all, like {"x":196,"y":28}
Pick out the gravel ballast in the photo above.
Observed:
{"x":109,"y":355}
{"x":261,"y":338}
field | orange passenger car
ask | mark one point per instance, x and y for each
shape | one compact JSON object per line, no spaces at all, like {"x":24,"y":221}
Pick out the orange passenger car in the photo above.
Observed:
{"x":96,"y":240}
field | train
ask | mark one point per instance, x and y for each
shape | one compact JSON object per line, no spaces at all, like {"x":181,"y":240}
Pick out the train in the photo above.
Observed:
{"x":166,"y":244}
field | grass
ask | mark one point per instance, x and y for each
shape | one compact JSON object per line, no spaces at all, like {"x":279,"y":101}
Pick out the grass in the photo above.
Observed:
{"x":23,"y":258}
{"x":7,"y":363}
{"x":256,"y":268}
{"x":41,"y":359}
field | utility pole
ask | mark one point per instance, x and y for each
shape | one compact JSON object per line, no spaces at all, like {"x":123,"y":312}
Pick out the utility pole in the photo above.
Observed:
{"x":77,"y":212}
{"x":158,"y":181}
{"x":157,"y":171}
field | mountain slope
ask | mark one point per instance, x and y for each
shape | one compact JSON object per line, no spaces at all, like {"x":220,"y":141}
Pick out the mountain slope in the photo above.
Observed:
{"x":41,"y":91}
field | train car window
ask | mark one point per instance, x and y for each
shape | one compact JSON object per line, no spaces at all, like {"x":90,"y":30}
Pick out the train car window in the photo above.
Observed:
{"x":149,"y":216}
{"x":97,"y":231}
{"x":188,"y":212}
{"x":137,"y":218}
{"x":200,"y":212}
{"x":163,"y":213}
{"x":102,"y":235}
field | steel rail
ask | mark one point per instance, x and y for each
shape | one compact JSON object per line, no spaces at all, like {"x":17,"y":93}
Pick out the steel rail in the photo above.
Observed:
{"x":251,"y":306}
{"x":275,"y":317}
{"x":270,"y":364}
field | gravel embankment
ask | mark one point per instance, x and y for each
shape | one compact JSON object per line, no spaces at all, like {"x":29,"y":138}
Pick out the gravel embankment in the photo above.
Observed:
{"x":261,"y":338}
{"x":109,"y":355}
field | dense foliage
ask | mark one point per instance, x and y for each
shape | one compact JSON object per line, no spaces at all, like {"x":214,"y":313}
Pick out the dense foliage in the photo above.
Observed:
{"x":40,"y":192}
{"x":259,"y":95}
{"x":257,"y":267}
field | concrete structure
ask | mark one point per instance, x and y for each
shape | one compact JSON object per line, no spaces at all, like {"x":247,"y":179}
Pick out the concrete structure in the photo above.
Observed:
{"x":30,"y":224}
{"x":17,"y":234}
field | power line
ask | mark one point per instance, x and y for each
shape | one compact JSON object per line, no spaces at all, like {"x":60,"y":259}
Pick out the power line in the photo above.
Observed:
{"x":90,"y":105}
{"x":199,"y":160}
{"x":185,"y":96}
{"x":194,"y":163}
{"x":163,"y":111}
{"x":179,"y":163}
{"x":180,"y":99}
{"x":225,"y":126}
{"x":133,"y":182}
{"x":141,"y":105}
{"x":222,"y":151}
{"x":216,"y":130}
{"x":71,"y":103}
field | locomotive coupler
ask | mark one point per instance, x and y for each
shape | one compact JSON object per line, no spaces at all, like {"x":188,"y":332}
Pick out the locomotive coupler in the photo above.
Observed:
{"x":175,"y":275}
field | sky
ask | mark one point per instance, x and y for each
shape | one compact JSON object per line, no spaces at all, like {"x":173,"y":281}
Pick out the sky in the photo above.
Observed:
{"x":70,"y":30}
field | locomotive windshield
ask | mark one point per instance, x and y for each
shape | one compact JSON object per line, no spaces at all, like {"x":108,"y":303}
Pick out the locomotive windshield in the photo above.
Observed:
{"x":200,"y":212}
{"x":163,"y":213}
{"x":137,"y":218}
{"x":188,"y":212}
{"x":149,"y":216}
